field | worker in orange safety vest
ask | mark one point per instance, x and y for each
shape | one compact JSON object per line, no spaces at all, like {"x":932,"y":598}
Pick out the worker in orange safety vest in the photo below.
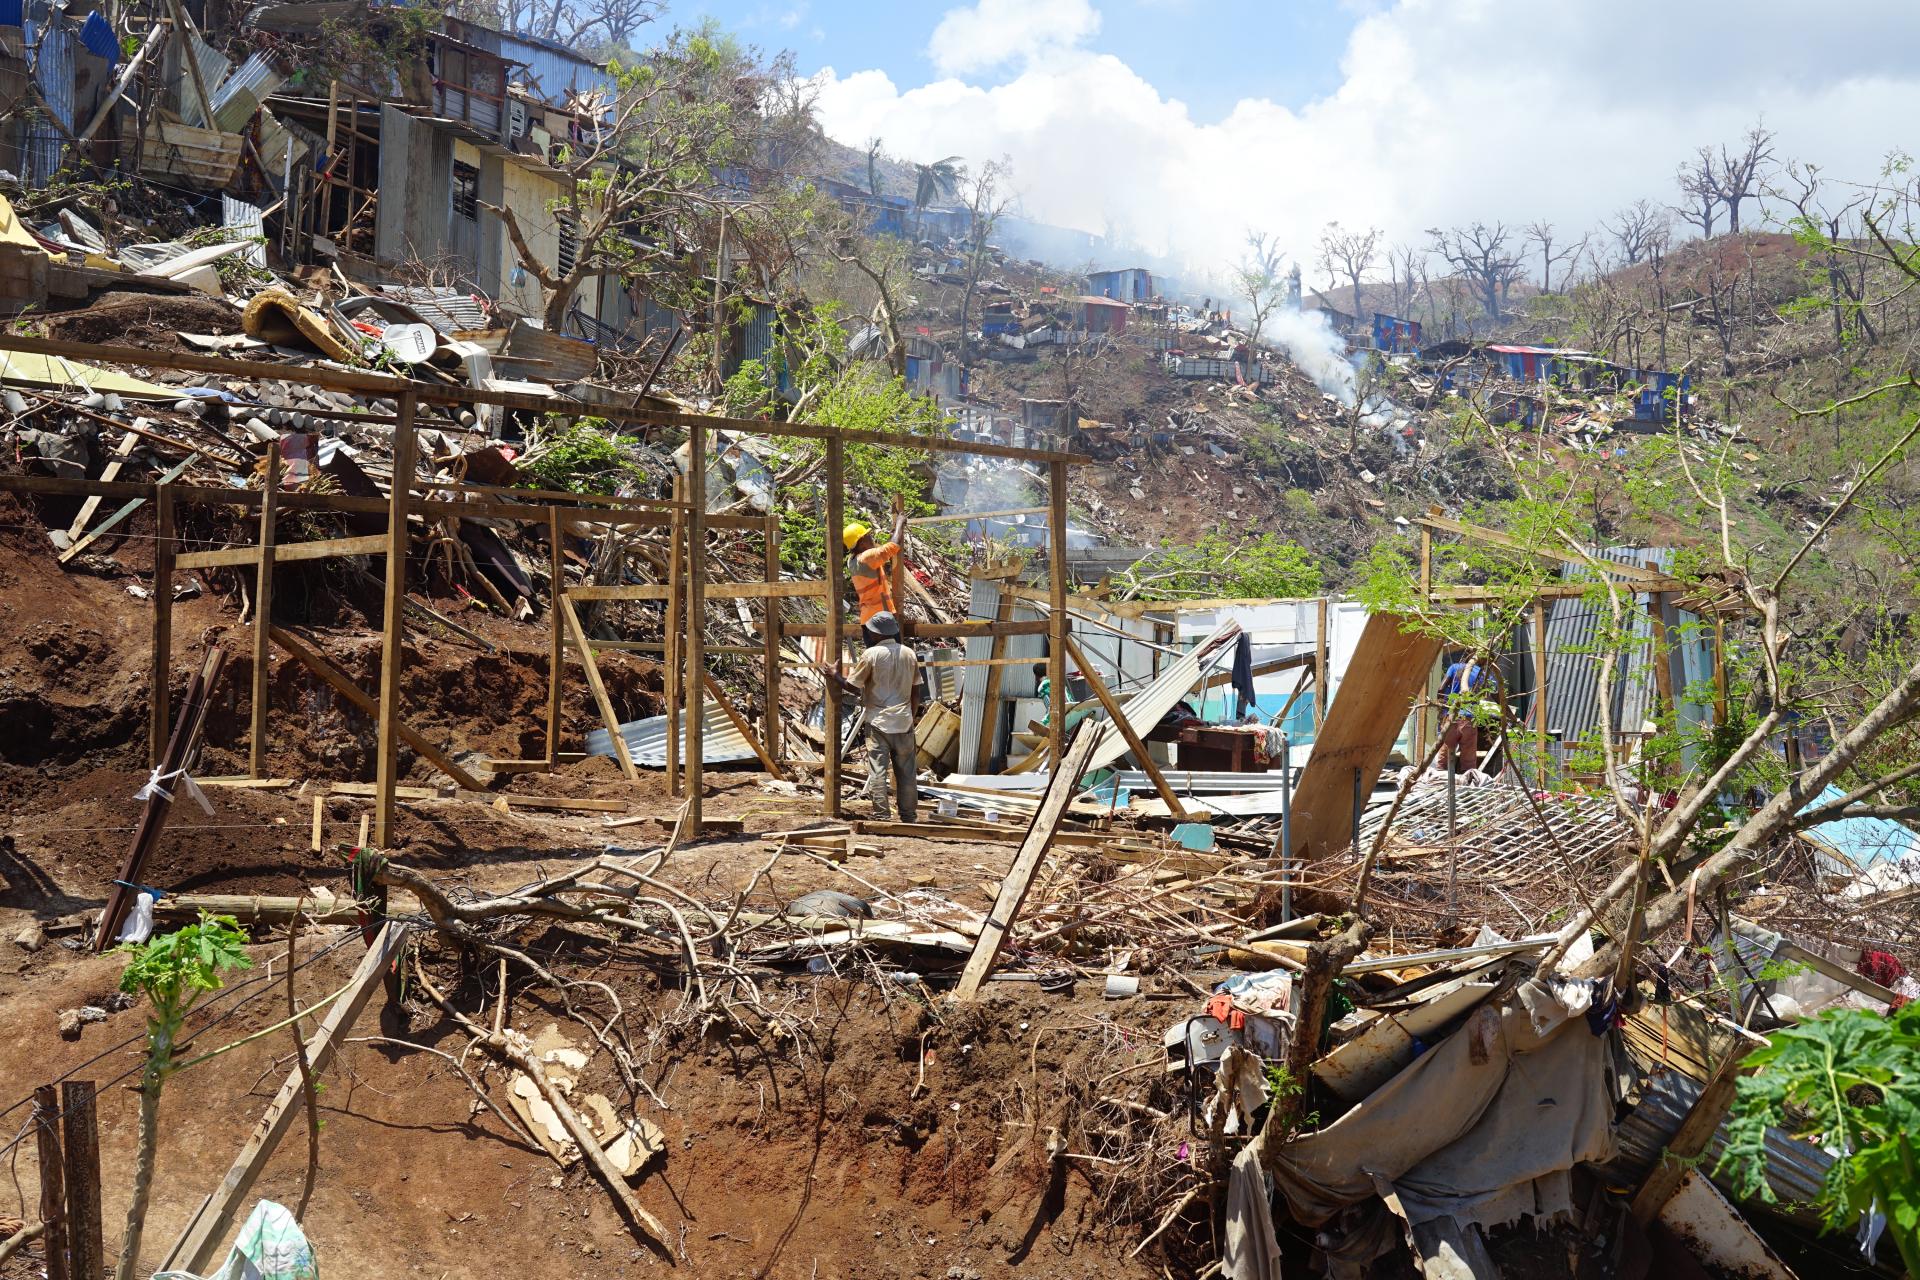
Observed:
{"x":871,"y":566}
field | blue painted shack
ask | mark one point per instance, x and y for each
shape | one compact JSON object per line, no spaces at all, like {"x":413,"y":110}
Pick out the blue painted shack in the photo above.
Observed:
{"x":1127,"y":284}
{"x":1394,"y":335}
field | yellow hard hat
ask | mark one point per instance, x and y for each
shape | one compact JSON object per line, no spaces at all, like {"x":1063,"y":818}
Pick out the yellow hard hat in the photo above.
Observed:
{"x":854,"y":532}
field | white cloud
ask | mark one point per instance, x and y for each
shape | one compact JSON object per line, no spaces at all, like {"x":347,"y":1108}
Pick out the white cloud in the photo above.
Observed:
{"x":991,"y":33}
{"x":1447,"y":111}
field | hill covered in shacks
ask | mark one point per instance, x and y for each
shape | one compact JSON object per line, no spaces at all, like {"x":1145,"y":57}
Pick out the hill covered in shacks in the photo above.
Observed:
{"x":1418,"y":787}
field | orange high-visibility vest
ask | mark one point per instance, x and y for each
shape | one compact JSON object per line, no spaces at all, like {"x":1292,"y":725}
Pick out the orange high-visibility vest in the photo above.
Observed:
{"x":872,"y":579}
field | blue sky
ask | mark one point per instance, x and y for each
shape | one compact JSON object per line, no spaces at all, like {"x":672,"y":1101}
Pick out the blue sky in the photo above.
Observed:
{"x":1208,"y":55}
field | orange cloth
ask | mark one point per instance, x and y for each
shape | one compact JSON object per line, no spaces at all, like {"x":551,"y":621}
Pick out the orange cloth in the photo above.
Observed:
{"x":871,"y":572}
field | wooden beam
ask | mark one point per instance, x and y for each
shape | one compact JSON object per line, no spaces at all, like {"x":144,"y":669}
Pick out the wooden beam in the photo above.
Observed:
{"x":1174,"y":807}
{"x":599,"y":690}
{"x":675,"y":635}
{"x":1320,"y":692}
{"x":53,"y":1166}
{"x":556,"y":635}
{"x":1061,"y":788}
{"x":767,"y":762}
{"x":195,"y":1249}
{"x":372,"y":544}
{"x":696,"y":621}
{"x":337,"y":680}
{"x":263,"y":622}
{"x":990,"y":711}
{"x":564,"y":803}
{"x":126,"y":509}
{"x":954,"y":516}
{"x":447,"y":393}
{"x":1388,"y":668}
{"x":1057,"y":611}
{"x":107,"y":473}
{"x":770,"y":637}
{"x":714,"y":591}
{"x":836,"y":620}
{"x":916,"y":629}
{"x":392,"y":634}
{"x":1539,"y":685}
{"x":162,"y":670}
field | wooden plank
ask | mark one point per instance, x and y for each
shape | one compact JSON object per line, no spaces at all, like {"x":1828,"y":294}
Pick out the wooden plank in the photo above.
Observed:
{"x":990,"y":713}
{"x":258,"y":908}
{"x":556,"y":636}
{"x":767,"y":762}
{"x":319,"y":820}
{"x":372,"y":544}
{"x":770,"y":638}
{"x":1696,"y":1130}
{"x":80,"y":1143}
{"x":128,"y":508}
{"x":674,"y":634}
{"x":1539,"y":685}
{"x":1388,"y":668}
{"x":919,"y":629}
{"x":107,"y":473}
{"x":53,"y":1179}
{"x":392,"y":635}
{"x":696,"y":621}
{"x":1321,"y":694}
{"x":161,"y":673}
{"x":719,"y":591}
{"x":566,"y":803}
{"x":373,"y":789}
{"x":263,"y":622}
{"x":1127,"y":731}
{"x":598,"y":689}
{"x":954,"y":516}
{"x":352,"y":692}
{"x":211,"y":1222}
{"x":836,"y":620}
{"x":1026,"y":862}
{"x":1057,"y":611}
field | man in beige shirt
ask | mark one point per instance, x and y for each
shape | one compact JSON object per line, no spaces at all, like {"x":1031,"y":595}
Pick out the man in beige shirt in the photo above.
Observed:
{"x":884,"y":678}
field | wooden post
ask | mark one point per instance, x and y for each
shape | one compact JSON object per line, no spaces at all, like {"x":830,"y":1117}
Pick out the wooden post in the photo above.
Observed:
{"x":158,"y":724}
{"x":80,"y":1132}
{"x":1057,"y":609}
{"x":1174,"y":807}
{"x":836,"y":616}
{"x":770,"y":732}
{"x":598,"y":689}
{"x":696,"y":621}
{"x":556,"y":639}
{"x":1320,"y":697}
{"x":1540,"y":683}
{"x":1719,"y":669}
{"x":387,"y":766}
{"x":263,"y":618}
{"x":676,"y":578}
{"x":1658,"y":651}
{"x":53,"y":1198}
{"x":990,"y":712}
{"x":1426,"y":566}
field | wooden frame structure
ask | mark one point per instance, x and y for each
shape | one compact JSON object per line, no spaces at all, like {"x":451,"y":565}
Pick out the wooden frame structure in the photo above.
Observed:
{"x":685,"y":594}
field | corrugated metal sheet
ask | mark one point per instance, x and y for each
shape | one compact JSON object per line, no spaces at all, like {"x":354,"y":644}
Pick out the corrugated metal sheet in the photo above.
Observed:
{"x":214,"y":67}
{"x":241,"y":93}
{"x":720,"y":741}
{"x":448,"y":310}
{"x":549,"y":72}
{"x":1795,"y":1169}
{"x":1862,"y":841}
{"x":243,"y":220}
{"x":53,"y":73}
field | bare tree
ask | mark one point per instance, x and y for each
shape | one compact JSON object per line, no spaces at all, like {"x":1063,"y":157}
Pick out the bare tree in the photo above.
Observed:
{"x":596,"y":26}
{"x":1348,"y":254}
{"x":1846,"y":274}
{"x":1484,"y":256}
{"x":1260,"y":279}
{"x":1641,"y":229}
{"x":1545,"y":237}
{"x":1738,"y":174}
{"x":986,"y":200}
{"x":1407,"y":272}
{"x":1702,"y":206}
{"x":874,"y":156}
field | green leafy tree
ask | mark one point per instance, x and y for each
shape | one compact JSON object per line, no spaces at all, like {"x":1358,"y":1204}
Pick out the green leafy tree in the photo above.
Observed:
{"x":1847,"y":1080}
{"x":172,"y":972}
{"x":1265,"y":566}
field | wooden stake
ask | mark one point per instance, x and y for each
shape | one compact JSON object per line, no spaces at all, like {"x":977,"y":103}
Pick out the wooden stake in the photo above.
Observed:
{"x":1026,"y":862}
{"x":556,"y":639}
{"x":214,"y":1218}
{"x":80,"y":1134}
{"x":263,"y":619}
{"x":53,"y":1198}
{"x":770,"y":637}
{"x":387,"y":761}
{"x":1057,"y":608}
{"x":676,"y":578}
{"x":990,"y":712}
{"x":366,"y":819}
{"x":696,"y":620}
{"x":1320,"y":697}
{"x":1120,"y":722}
{"x":163,"y":550}
{"x":836,"y":618}
{"x":598,"y":689}
{"x":319,"y":819}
